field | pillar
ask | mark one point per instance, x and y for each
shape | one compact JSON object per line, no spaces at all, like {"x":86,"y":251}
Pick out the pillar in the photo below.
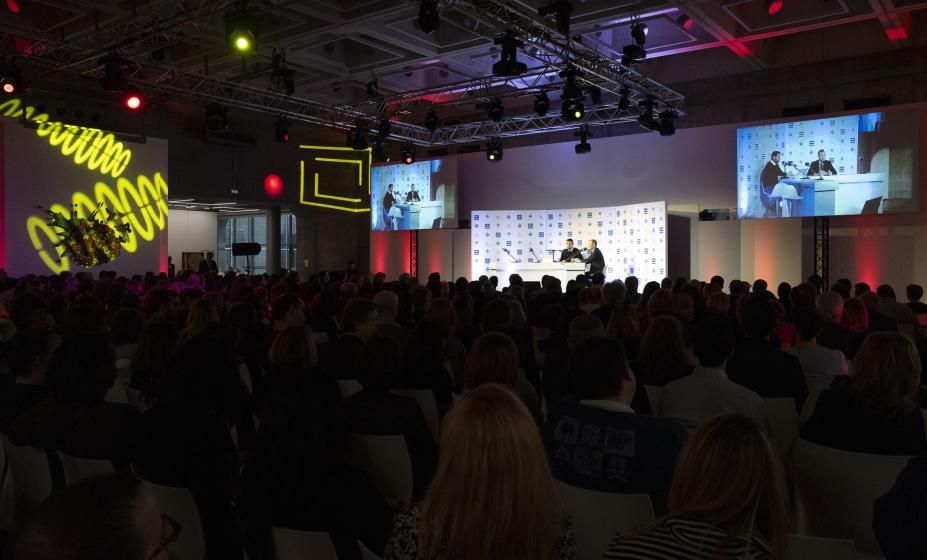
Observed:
{"x":273,"y":239}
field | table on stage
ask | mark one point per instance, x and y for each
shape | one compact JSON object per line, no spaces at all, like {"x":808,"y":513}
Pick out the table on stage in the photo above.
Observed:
{"x":837,"y":195}
{"x":420,"y":215}
{"x":533,"y":271}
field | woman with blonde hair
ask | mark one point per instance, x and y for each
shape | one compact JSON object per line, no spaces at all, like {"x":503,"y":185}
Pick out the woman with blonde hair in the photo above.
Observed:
{"x":874,"y":410}
{"x":202,"y":313}
{"x":493,"y":495}
{"x":293,"y":349}
{"x":718,"y":304}
{"x":727,"y":500}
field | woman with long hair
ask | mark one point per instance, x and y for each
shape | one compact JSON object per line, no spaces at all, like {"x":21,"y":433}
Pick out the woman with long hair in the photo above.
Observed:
{"x":202,"y":313}
{"x":493,"y":495}
{"x":727,"y":500}
{"x":662,"y":357}
{"x":625,"y":325}
{"x":855,"y":320}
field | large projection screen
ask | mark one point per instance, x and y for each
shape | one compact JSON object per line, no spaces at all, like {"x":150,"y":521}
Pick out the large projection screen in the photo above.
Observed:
{"x":421,"y":195}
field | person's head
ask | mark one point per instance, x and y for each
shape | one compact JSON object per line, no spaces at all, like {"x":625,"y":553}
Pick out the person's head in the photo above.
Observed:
{"x":886,"y":292}
{"x":30,"y":353}
{"x":495,"y":314}
{"x":861,"y":288}
{"x":760,"y":286}
{"x":914,"y":292}
{"x":717,"y":281}
{"x":293,"y":349}
{"x":583,"y":327}
{"x":380,"y":363}
{"x":569,"y":243}
{"x":667,"y":284}
{"x":492,"y":359}
{"x":126,"y":326}
{"x":718,"y":304}
{"x":82,"y":369}
{"x":159,"y":304}
{"x":822,"y":155}
{"x":871,"y":301}
{"x":632,"y":283}
{"x":804,"y":295}
{"x":887,"y":372}
{"x":287,"y":310}
{"x":592,"y":244}
{"x":492,"y":482}
{"x":728,"y":475}
{"x":663,"y":346}
{"x":29,"y":311}
{"x":387,"y":303}
{"x":83,"y":319}
{"x":758,"y":318}
{"x":816,"y":281}
{"x":209,"y":256}
{"x":390,"y":187}
{"x":441,"y":312}
{"x":624,"y":324}
{"x":599,"y":369}
{"x":855,"y":316}
{"x":784,"y":293}
{"x":413,"y":186}
{"x":713,"y":342}
{"x":807,"y":323}
{"x":590,"y":296}
{"x":359,"y":317}
{"x":202,"y":313}
{"x":109,"y":516}
{"x":613,"y":293}
{"x":776,"y":156}
{"x":683,"y":307}
{"x":659,"y":302}
{"x":830,"y":307}
{"x":170,"y":259}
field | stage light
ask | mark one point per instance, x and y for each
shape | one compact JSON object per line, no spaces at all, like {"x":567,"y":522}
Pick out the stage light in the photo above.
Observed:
{"x":9,"y":86}
{"x":13,"y":6}
{"x":273,"y":185}
{"x":282,"y":130}
{"x":385,"y":126}
{"x":378,"y":153}
{"x":357,"y":139}
{"x":217,"y":118}
{"x":584,"y":147}
{"x":241,"y":31}
{"x":113,"y":78}
{"x":431,"y":120}
{"x":667,"y":123}
{"x":494,"y":151}
{"x":773,"y":7}
{"x":685,"y":22}
{"x":429,"y":18}
{"x":495,"y":110}
{"x":573,"y":109}
{"x":132,"y":99}
{"x":639,"y":33}
{"x":508,"y":64}
{"x":625,"y":102}
{"x":541,"y":104}
{"x":571,"y":98}
{"x":562,"y":10}
{"x":595,"y":95}
{"x":407,"y":155}
{"x":645,"y":119}
{"x":632,"y":54}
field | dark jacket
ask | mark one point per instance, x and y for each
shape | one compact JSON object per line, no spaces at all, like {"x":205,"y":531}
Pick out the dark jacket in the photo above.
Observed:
{"x":16,"y":398}
{"x":817,"y":168}
{"x":596,"y":261}
{"x":835,"y":337}
{"x":767,"y":371}
{"x":900,"y":516}
{"x":567,"y":255}
{"x":771,"y":175}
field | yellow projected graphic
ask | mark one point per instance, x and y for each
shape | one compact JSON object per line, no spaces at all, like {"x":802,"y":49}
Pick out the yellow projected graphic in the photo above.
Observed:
{"x":317,"y":198}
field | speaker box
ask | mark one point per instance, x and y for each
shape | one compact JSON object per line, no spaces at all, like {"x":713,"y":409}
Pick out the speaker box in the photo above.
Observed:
{"x":245,"y":249}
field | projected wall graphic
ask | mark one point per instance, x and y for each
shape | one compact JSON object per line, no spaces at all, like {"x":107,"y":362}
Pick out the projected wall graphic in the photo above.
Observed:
{"x":335,"y":178}
{"x":67,"y":168}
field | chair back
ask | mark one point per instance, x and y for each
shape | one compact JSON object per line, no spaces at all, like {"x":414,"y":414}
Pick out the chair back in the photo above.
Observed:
{"x":348,"y":387}
{"x":783,"y":419}
{"x":136,"y":398}
{"x":29,"y":473}
{"x":426,"y":401}
{"x":7,"y":492}
{"x":817,"y":548}
{"x":179,"y":505}
{"x":598,"y":516}
{"x":291,"y":544}
{"x":365,"y":552}
{"x":385,"y":460}
{"x":836,"y":490}
{"x":77,"y":468}
{"x":653,"y":395}
{"x":117,"y":394}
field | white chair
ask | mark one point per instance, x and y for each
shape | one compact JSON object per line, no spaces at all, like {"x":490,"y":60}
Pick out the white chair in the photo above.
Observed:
{"x":385,"y":459}
{"x":817,"y":548}
{"x":598,"y":516}
{"x":365,"y":552}
{"x":135,"y":397}
{"x":29,"y":472}
{"x":783,"y":419}
{"x":348,"y":387}
{"x":78,"y":468}
{"x":179,"y":505}
{"x":7,"y":492}
{"x":117,"y":394}
{"x":245,"y":375}
{"x":836,"y":490}
{"x":426,"y":401}
{"x":653,"y":395}
{"x":290,"y":544}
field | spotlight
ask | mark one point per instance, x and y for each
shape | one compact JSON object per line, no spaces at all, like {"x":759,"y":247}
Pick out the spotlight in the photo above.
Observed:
{"x":667,"y":123}
{"x":217,"y":118}
{"x":631,"y":54}
{"x":429,"y":19}
{"x":113,"y":79}
{"x":509,"y":65}
{"x":625,"y":102}
{"x":645,"y":119}
{"x":431,"y":120}
{"x":495,"y":110}
{"x":378,"y":152}
{"x":373,"y":92}
{"x":541,"y":104}
{"x":10,"y":78}
{"x":281,"y":130}
{"x":572,"y":107}
{"x":584,"y":147}
{"x":494,"y":151}
{"x":562,"y":10}
{"x":357,"y":139}
{"x":132,"y":99}
{"x":595,"y":94}
{"x":385,"y":127}
{"x":241,"y":31}
{"x":773,"y":7}
{"x":685,"y":22}
{"x":639,"y":33}
{"x":407,"y":155}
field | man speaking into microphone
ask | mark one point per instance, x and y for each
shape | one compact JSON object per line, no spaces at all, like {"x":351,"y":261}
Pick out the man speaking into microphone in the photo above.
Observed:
{"x":570,"y":252}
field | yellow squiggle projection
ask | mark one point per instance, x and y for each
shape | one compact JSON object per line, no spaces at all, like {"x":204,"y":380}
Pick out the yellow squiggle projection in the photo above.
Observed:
{"x":90,"y":147}
{"x":143,"y":204}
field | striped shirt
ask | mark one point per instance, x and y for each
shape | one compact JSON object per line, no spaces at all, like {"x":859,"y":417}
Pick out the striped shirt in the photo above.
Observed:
{"x":686,"y":539}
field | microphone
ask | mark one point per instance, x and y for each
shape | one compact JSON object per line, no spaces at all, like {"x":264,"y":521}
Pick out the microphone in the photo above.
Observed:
{"x":536,"y":258}
{"x":509,"y":253}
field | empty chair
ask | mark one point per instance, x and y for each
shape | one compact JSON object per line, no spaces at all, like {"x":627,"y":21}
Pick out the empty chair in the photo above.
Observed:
{"x":817,"y":548}
{"x":179,"y":505}
{"x":29,"y":473}
{"x":836,"y":490}
{"x":77,"y":468}
{"x":426,"y":401}
{"x":385,"y":460}
{"x":349,"y":387}
{"x":783,"y":419}
{"x":291,"y":544}
{"x":598,"y":516}
{"x":653,"y":395}
{"x":365,"y":552}
{"x":117,"y":394}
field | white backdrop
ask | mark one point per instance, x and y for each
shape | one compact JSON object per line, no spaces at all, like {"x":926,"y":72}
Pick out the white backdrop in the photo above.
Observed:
{"x":632,"y":238}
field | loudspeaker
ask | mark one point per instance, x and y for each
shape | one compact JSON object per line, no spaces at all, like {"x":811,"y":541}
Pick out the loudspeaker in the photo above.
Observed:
{"x":245,"y":249}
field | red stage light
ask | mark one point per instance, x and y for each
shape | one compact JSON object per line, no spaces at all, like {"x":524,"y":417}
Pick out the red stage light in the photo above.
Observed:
{"x":774,"y":7}
{"x":132,"y":100}
{"x":13,"y":6}
{"x":685,"y":22}
{"x":273,"y":185}
{"x":408,"y":160}
{"x":9,"y":87}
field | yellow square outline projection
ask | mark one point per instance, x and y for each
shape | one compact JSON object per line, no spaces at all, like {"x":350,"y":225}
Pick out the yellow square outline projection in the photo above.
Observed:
{"x":317,"y":194}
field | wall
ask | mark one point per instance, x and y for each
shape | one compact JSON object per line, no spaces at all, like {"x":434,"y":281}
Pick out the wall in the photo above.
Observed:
{"x":190,"y":232}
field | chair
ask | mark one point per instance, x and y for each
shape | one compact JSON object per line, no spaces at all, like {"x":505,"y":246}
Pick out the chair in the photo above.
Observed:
{"x":653,"y":395}
{"x":783,"y":418}
{"x":816,"y":548}
{"x":7,"y":492}
{"x":135,"y":397}
{"x":598,"y":516}
{"x":291,"y":544}
{"x":426,"y":401}
{"x":385,"y":459}
{"x":836,"y":490}
{"x":348,"y":387}
{"x":365,"y":552}
{"x":117,"y":394}
{"x":245,"y":375}
{"x":78,"y":468}
{"x":179,"y":505}
{"x":29,"y":472}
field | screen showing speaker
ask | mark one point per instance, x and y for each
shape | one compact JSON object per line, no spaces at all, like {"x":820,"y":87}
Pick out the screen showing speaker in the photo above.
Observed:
{"x":861,"y":163}
{"x":421,"y":195}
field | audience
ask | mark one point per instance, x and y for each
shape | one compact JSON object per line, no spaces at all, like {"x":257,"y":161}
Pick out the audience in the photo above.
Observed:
{"x":816,"y":361}
{"x":834,"y":335}
{"x":915,"y":292}
{"x":662,"y":357}
{"x":28,"y":356}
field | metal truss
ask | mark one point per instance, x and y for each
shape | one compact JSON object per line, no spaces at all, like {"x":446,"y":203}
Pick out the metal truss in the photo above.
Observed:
{"x":822,"y":248}
{"x":413,"y":253}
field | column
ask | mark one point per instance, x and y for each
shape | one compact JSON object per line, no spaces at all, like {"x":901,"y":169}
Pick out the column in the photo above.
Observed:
{"x":273,"y":239}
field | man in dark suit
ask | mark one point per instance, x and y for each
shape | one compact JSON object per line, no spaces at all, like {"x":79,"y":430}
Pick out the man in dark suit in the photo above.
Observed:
{"x":595,"y":260}
{"x":822,"y":165}
{"x":388,"y":200}
{"x":570,"y":252}
{"x":413,"y":195}
{"x":772,"y":173}
{"x":208,"y":265}
{"x":358,"y":324}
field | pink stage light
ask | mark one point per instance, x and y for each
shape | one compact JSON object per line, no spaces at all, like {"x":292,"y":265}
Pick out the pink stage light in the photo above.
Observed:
{"x":774,"y":7}
{"x":273,"y":185}
{"x":13,"y":6}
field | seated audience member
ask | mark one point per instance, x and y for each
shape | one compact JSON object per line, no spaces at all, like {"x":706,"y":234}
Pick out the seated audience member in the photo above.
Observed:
{"x":125,"y":331}
{"x":83,"y":319}
{"x":75,"y":420}
{"x":856,"y":322}
{"x":727,"y":500}
{"x":633,"y":297}
{"x":493,"y":495}
{"x":892,"y":308}
{"x":28,"y":356}
{"x":599,"y":443}
{"x":804,"y":295}
{"x":718,"y":304}
{"x":151,"y":363}
{"x":915,"y":292}
{"x":494,"y":359}
{"x":202,"y":314}
{"x":299,"y":478}
{"x":625,"y":325}
{"x":707,"y":392}
{"x":287,"y":310}
{"x":358,"y":323}
{"x":816,"y":361}
{"x":662,"y":357}
{"x":830,"y":306}
{"x":861,"y":288}
{"x":375,"y":410}
{"x":612,"y":298}
{"x":110,"y":516}
{"x":557,"y":380}
{"x":760,"y":366}
{"x":874,"y":410}
{"x":28,"y":310}
{"x":878,"y":321}
{"x":425,"y":364}
{"x":659,"y":302}
{"x":184,"y":439}
{"x":899,"y":518}
{"x":387,"y":303}
{"x":441,"y":313}
{"x":590,"y":299}
{"x":160,"y":304}
{"x":292,"y":355}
